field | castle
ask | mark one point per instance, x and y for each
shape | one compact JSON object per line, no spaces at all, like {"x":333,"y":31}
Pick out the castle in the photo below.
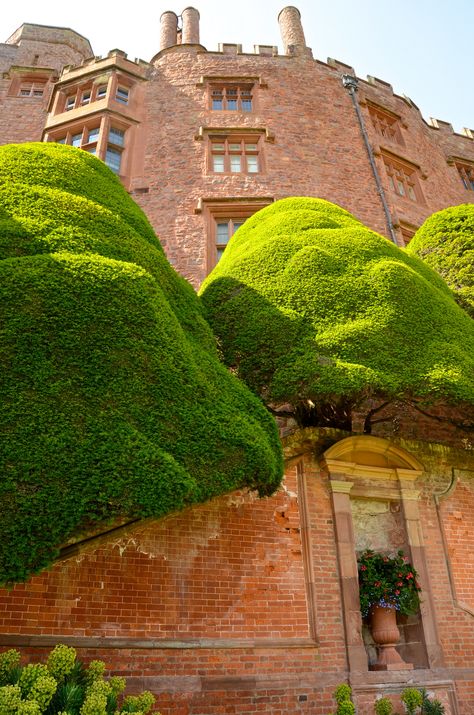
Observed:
{"x":203,"y":139}
{"x":247,"y":605}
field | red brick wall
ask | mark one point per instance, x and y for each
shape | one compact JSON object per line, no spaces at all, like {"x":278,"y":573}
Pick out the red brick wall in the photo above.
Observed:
{"x":211,"y":608}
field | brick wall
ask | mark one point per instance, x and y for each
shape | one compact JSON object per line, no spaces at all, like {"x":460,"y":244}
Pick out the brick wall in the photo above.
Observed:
{"x":235,"y":605}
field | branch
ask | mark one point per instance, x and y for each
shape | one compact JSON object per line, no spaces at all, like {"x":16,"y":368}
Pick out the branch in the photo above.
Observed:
{"x":368,"y":418}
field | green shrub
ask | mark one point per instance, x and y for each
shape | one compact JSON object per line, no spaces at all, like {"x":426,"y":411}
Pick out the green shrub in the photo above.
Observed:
{"x":77,"y":690}
{"x":446,"y":243}
{"x":317,"y":313}
{"x":412,"y":699}
{"x":114,"y":401}
{"x":383,"y":706}
{"x":342,"y":696}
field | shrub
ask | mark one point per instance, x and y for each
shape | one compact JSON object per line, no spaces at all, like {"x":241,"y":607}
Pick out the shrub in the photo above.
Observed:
{"x":77,"y":689}
{"x":342,"y":696}
{"x":446,"y":243}
{"x":114,"y":401}
{"x":383,"y":706}
{"x":316,"y":313}
{"x":412,"y":699}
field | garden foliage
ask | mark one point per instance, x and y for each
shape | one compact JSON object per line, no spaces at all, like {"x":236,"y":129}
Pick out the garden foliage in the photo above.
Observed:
{"x":114,"y":401}
{"x":446,"y":243}
{"x":64,"y":686}
{"x":317,"y":313}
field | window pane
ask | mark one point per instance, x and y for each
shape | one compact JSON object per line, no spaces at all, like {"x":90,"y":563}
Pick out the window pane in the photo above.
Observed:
{"x":250,"y":147}
{"x":220,"y":251}
{"x":252,"y":164}
{"x":116,"y":136}
{"x":113,"y":158}
{"x":232,"y":104}
{"x":401,"y":188}
{"x":247,"y":105}
{"x":86,"y":97}
{"x":217,"y":103}
{"x":101,"y":91}
{"x":76,"y":139}
{"x":70,"y":102}
{"x":234,"y":147}
{"x":93,"y":134}
{"x":217,"y":147}
{"x":61,"y":141}
{"x":92,"y":150}
{"x":235,"y":163}
{"x":37,"y":93}
{"x":25,"y":92}
{"x":222,"y":233}
{"x":218,"y":163}
{"x":411,"y":193}
{"x":236,"y":225}
{"x":122,"y":95}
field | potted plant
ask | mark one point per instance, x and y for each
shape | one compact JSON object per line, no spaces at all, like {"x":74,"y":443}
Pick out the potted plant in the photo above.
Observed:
{"x":387,"y":584}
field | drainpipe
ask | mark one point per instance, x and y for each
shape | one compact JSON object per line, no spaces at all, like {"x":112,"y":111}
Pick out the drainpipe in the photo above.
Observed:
{"x":350,"y":83}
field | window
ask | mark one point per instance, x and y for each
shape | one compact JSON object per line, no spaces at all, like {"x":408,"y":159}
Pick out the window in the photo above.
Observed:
{"x":408,"y":231}
{"x":85,"y":97}
{"x":403,"y":178}
{"x":223,"y":218}
{"x":386,"y":124}
{"x":70,"y":102}
{"x":225,"y":228}
{"x":234,"y":155}
{"x":466,"y":173}
{"x":113,"y":158}
{"x":101,"y":92}
{"x":231,"y":97}
{"x":87,"y":138}
{"x":31,"y":89}
{"x":116,"y":136}
{"x":121,"y":95}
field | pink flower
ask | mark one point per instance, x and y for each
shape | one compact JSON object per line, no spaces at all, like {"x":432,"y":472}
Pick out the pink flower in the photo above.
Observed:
{"x":409,"y":576}
{"x":397,"y":593}
{"x":378,"y":583}
{"x":363,"y":568}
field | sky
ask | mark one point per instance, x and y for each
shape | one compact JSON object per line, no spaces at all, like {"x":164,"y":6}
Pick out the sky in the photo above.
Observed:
{"x":422,"y":47}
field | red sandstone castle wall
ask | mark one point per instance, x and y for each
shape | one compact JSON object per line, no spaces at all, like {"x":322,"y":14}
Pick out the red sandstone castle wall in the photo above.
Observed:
{"x":313,"y":143}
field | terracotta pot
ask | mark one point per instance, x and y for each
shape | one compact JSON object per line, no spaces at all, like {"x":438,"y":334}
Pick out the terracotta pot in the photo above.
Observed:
{"x":386,"y":635}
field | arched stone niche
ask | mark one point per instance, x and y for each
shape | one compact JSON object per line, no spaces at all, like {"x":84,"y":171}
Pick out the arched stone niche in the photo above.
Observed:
{"x":373,"y":486}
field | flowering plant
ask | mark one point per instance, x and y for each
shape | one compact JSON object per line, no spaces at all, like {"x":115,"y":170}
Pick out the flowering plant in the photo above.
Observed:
{"x":387,"y":581}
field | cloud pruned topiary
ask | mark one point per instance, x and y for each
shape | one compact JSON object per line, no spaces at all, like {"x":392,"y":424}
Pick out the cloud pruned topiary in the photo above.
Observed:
{"x":114,"y":401}
{"x":316,"y":312}
{"x":446,"y":243}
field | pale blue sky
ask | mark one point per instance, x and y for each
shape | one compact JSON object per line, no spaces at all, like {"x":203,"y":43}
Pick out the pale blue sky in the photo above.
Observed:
{"x":424,"y":48}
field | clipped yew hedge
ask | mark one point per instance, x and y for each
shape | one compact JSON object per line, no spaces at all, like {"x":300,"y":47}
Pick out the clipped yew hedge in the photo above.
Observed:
{"x":317,"y":313}
{"x":446,"y":243}
{"x":114,"y":401}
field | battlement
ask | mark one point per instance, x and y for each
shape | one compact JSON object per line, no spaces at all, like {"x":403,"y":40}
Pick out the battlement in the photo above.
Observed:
{"x":54,"y":35}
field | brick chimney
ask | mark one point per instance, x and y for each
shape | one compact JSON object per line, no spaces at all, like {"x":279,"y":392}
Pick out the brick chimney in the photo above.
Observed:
{"x":168,"y":29}
{"x":190,"y":26}
{"x":291,"y":29}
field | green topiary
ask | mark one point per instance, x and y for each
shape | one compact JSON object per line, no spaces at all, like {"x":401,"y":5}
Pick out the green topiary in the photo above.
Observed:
{"x":446,"y":243}
{"x":316,"y":313}
{"x":114,"y":402}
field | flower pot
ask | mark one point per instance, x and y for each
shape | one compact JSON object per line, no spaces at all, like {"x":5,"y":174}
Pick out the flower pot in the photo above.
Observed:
{"x":386,"y":636}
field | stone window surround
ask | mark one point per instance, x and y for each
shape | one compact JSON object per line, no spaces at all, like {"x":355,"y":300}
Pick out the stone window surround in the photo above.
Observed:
{"x":250,"y":146}
{"x":35,"y":76}
{"x":252,"y":82}
{"x":408,"y":174}
{"x":113,"y":80}
{"x":237,"y":209}
{"x":347,"y":465}
{"x":386,"y":123}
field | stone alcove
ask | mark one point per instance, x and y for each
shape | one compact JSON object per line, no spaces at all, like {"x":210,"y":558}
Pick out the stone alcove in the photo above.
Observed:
{"x":375,"y":502}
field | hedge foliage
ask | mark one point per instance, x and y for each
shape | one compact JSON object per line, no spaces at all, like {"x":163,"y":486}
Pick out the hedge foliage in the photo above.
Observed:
{"x":114,"y":401}
{"x":64,"y":686}
{"x":446,"y":243}
{"x":313,"y":308}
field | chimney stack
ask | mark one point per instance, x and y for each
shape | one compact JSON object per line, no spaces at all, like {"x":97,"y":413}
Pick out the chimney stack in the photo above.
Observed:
{"x":190,"y":26}
{"x":168,"y":30}
{"x":291,"y":29}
